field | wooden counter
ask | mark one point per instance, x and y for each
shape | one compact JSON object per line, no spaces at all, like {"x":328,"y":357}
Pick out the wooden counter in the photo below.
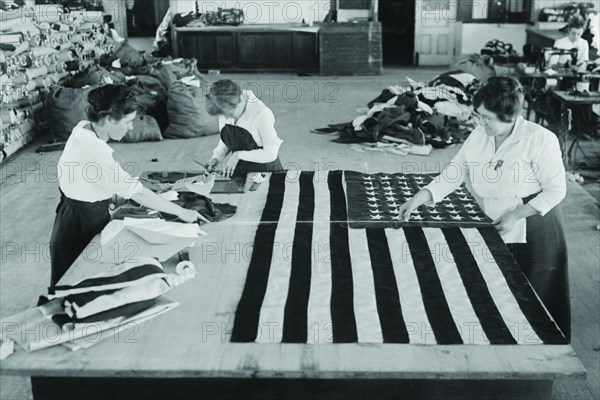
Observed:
{"x":272,"y":47}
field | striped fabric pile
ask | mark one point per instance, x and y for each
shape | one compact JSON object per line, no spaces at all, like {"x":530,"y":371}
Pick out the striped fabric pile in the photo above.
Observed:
{"x":98,"y":303}
{"x":39,"y":47}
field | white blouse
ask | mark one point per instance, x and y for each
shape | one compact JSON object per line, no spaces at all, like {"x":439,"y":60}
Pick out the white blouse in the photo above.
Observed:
{"x":528,"y":162}
{"x":259,"y":121}
{"x":582,"y":46}
{"x":88,"y":172}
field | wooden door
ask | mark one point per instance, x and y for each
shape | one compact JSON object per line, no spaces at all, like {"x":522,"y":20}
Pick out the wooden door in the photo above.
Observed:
{"x":435,"y":25}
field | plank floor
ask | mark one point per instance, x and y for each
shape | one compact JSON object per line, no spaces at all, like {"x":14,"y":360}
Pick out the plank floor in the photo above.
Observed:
{"x":29,"y":195}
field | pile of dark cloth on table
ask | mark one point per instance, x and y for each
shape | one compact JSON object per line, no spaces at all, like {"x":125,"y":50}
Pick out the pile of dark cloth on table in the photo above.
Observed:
{"x":438,"y":113}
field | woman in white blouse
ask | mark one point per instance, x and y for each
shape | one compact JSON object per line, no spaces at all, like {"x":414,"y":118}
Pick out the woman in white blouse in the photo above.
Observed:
{"x":89,"y":176}
{"x":573,"y":40}
{"x":248,"y":134}
{"x":515,"y":170}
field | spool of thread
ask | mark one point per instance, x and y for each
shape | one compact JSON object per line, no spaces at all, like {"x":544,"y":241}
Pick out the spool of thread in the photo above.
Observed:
{"x":35,"y":41}
{"x":62,"y":27}
{"x":65,"y":55}
{"x":65,"y":46}
{"x":25,"y":61}
{"x":39,"y":61}
{"x":86,"y":46}
{"x":79,"y":38}
{"x":33,"y":73}
{"x":54,"y":42}
{"x":42,"y":51}
{"x":85,"y":63}
{"x":99,"y":51}
{"x":21,"y":48}
{"x":19,"y":78}
{"x":50,"y":58}
{"x":72,"y":65}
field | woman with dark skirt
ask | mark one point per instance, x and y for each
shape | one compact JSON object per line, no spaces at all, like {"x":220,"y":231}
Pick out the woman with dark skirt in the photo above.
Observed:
{"x":89,"y":176}
{"x":515,"y":170}
{"x":248,"y":134}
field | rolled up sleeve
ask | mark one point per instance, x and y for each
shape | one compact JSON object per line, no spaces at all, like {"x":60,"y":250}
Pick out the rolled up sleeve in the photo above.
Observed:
{"x":448,"y":181}
{"x":550,"y":172}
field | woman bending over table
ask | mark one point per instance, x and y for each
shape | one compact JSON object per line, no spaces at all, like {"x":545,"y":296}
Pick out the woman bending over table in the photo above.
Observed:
{"x":515,"y":170}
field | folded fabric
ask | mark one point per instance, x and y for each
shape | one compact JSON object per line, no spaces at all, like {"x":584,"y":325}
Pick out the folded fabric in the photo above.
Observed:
{"x":69,"y":323}
{"x":214,"y":212}
{"x":84,"y":306}
{"x":18,"y":327}
{"x":118,"y":276}
{"x":460,"y":111}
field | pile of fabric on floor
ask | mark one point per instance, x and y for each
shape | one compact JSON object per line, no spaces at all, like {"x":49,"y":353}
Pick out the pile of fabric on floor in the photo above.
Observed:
{"x":416,"y":114}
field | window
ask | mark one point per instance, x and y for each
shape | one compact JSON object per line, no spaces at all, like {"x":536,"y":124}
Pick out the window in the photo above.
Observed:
{"x":500,"y":11}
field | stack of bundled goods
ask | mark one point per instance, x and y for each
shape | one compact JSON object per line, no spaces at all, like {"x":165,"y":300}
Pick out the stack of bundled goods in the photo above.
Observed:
{"x":41,"y":47}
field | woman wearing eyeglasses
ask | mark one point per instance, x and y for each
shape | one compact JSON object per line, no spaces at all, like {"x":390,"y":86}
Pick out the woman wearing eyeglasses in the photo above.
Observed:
{"x":515,"y":170}
{"x":248,"y":134}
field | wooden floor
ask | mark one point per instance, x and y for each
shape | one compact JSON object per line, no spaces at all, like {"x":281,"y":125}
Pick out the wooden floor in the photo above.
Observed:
{"x":29,"y":194}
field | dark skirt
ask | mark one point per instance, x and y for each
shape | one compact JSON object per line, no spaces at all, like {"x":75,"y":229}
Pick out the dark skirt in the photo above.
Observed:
{"x":239,"y":139}
{"x":75,"y":225}
{"x":544,"y":261}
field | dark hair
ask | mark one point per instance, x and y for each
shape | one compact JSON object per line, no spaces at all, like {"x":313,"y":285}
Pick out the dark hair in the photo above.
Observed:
{"x":576,"y":22}
{"x":223,"y":93}
{"x":115,"y":101}
{"x":502,"y":95}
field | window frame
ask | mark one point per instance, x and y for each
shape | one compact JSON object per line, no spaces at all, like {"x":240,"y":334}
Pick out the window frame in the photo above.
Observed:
{"x":494,"y":12}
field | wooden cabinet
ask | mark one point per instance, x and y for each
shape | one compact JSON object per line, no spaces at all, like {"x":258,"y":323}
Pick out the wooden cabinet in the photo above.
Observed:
{"x":249,"y":49}
{"x":215,"y":49}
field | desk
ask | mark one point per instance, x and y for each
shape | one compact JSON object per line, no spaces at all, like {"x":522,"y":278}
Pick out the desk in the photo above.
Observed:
{"x":186,"y":353}
{"x":566,"y":101}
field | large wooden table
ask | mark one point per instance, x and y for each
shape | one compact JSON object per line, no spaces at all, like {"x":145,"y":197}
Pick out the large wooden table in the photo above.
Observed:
{"x":186,"y":353}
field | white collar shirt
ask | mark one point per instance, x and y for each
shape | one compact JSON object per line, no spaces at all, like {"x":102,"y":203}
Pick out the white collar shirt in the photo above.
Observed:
{"x":88,"y":172}
{"x":259,"y":121}
{"x":528,"y":162}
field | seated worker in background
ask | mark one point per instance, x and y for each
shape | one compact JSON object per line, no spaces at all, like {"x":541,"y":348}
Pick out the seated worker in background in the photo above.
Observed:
{"x":89,"y":176}
{"x":515,"y":170}
{"x":248,"y":133}
{"x":573,"y":40}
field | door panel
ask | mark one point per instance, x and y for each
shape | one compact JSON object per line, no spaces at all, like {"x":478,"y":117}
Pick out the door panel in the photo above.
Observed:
{"x":435,"y":25}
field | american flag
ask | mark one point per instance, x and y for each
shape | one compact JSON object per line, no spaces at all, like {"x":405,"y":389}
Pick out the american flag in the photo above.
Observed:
{"x":411,"y":283}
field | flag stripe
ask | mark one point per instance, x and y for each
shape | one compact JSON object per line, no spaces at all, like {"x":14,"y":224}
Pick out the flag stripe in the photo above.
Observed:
{"x":319,"y":310}
{"x":342,"y":304}
{"x":388,"y":299}
{"x":270,"y":323}
{"x":247,"y":315}
{"x":409,"y":290}
{"x":434,"y":300}
{"x":503,"y":297}
{"x":464,"y":316}
{"x":368,"y":326}
{"x":295,"y":319}
{"x":532,"y":307}
{"x":491,"y":321}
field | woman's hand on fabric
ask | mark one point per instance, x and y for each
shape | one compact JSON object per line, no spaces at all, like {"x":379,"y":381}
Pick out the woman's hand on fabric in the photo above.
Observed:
{"x":506,"y":222}
{"x":232,"y":162}
{"x":191,"y":216}
{"x":407,"y":209}
{"x":212,"y":165}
